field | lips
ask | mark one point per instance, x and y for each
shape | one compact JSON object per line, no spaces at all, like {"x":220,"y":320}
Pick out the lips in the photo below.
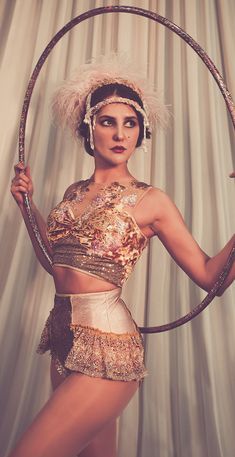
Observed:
{"x":118,"y":149}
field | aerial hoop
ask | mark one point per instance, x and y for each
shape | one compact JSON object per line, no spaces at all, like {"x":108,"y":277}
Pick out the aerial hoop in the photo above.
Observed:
{"x":222,"y":86}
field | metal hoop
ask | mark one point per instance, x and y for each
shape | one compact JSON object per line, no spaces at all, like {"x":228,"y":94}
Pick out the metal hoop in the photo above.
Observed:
{"x":228,"y":100}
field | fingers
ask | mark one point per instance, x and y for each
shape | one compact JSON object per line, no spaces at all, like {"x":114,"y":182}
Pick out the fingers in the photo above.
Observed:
{"x":22,"y":181}
{"x":232,"y":175}
{"x":21,"y":172}
{"x":19,"y":168}
{"x":19,"y":185}
{"x":27,"y":170}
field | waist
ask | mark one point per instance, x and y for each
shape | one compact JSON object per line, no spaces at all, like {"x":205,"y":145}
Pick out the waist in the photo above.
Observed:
{"x":71,"y":280}
{"x":89,"y":297}
{"x":105,"y":311}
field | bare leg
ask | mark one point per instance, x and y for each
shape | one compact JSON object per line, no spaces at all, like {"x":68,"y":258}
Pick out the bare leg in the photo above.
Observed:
{"x":79,"y":409}
{"x":104,"y":443}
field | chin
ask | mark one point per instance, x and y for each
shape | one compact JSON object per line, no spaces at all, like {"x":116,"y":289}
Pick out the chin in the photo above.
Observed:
{"x":116,"y":161}
{"x":114,"y":158}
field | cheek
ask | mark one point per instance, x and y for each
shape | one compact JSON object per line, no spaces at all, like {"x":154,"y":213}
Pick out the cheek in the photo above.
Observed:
{"x":135,"y":135}
{"x":98,"y":136}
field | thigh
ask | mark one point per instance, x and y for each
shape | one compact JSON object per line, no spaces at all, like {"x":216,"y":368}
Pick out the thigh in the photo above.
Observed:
{"x":78,"y":410}
{"x":104,"y":443}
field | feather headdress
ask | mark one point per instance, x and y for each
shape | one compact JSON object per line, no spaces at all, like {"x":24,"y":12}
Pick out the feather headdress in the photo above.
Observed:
{"x":69,"y":101}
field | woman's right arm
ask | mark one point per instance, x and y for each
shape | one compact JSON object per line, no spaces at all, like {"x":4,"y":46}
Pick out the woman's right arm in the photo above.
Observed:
{"x":22,"y":182}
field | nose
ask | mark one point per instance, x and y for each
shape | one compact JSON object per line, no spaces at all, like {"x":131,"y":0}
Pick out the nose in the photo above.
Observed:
{"x":119,"y":133}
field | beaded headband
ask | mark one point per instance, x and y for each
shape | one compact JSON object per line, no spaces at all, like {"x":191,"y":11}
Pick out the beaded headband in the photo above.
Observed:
{"x":90,"y":111}
{"x":71,"y":102}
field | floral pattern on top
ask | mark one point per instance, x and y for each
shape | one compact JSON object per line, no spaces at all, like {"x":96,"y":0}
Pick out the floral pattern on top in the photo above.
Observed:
{"x":103,"y":229}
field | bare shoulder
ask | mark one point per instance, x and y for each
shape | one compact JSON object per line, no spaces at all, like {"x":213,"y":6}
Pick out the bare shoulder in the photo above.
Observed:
{"x":157,"y":193}
{"x":158,"y":210}
{"x":164,"y":213}
{"x":159,"y":201}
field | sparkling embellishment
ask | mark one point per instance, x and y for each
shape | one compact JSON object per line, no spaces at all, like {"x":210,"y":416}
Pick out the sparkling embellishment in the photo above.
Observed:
{"x":129,"y":200}
{"x":89,"y":350}
{"x":93,"y":230}
{"x":90,"y":111}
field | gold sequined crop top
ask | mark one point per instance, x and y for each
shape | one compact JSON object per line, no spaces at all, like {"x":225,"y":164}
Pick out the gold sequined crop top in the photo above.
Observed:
{"x":91,"y":230}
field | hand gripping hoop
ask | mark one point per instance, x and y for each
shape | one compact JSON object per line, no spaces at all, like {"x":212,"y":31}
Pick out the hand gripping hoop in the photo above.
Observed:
{"x":228,"y":100}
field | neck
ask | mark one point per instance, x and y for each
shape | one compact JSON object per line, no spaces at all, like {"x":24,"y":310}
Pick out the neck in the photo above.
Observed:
{"x":110,"y":174}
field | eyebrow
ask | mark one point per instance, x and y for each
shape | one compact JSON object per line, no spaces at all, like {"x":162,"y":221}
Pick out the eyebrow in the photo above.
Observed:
{"x":113,"y":118}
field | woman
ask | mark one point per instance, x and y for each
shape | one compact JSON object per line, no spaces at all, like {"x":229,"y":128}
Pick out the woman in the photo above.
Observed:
{"x":95,"y":236}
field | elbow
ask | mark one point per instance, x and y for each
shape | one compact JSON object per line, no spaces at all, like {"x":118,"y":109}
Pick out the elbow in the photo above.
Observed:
{"x":223,"y":288}
{"x":207,"y":286}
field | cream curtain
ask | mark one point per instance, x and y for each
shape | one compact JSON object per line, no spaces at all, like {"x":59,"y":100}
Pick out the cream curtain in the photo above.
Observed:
{"x":186,"y":406}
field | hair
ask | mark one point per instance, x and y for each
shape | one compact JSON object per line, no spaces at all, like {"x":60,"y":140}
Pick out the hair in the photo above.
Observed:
{"x":100,"y":94}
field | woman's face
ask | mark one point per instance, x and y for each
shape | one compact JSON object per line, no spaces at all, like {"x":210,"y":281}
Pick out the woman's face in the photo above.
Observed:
{"x":115,"y":133}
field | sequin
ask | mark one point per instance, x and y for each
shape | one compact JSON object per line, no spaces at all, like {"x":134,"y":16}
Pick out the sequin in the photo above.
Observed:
{"x":89,"y":226}
{"x":129,"y":200}
{"x":76,"y":346}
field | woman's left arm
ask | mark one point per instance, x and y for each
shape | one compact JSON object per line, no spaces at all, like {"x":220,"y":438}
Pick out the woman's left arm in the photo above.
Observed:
{"x":171,"y":229}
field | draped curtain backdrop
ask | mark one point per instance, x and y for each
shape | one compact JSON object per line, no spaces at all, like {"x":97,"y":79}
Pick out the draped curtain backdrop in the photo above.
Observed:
{"x":186,"y":406}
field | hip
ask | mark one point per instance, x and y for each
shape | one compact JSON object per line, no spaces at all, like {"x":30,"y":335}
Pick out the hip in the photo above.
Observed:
{"x":94,"y":333}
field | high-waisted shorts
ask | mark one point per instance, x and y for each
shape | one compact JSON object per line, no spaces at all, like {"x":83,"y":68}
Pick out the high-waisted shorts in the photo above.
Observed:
{"x":95,"y":334}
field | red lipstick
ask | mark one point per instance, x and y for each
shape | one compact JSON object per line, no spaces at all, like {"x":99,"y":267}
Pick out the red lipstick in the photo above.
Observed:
{"x":118,"y":149}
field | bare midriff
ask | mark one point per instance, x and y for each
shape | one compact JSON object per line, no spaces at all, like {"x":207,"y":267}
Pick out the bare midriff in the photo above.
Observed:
{"x":70,"y":281}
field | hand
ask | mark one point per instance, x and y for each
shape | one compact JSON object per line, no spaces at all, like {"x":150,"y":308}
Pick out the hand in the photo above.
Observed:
{"x":232,"y":175}
{"x":21,"y":183}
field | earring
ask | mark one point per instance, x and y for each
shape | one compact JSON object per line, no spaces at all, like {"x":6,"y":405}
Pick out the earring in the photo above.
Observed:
{"x":92,"y":123}
{"x":91,"y":137}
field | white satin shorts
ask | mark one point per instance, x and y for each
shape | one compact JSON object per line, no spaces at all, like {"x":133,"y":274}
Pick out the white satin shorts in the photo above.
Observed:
{"x":95,"y":334}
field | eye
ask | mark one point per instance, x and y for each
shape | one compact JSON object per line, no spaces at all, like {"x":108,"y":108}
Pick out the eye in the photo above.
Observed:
{"x":131,"y":123}
{"x":106,"y":122}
